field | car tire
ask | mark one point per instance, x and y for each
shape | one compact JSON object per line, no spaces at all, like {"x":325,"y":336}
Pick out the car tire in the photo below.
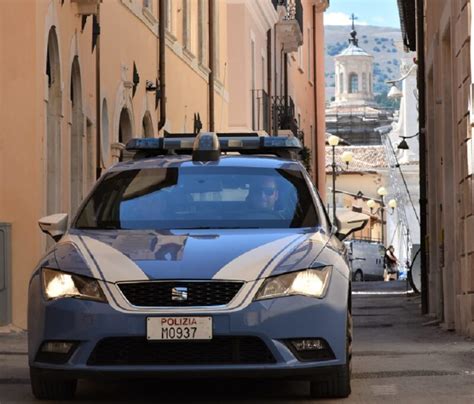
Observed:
{"x":52,"y":389}
{"x":359,"y":276}
{"x":338,"y":384}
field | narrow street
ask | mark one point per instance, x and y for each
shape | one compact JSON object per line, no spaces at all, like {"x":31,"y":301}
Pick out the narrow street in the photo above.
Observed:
{"x":399,"y":356}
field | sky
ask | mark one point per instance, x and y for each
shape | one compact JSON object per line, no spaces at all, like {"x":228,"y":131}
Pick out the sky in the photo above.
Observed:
{"x":382,"y":13}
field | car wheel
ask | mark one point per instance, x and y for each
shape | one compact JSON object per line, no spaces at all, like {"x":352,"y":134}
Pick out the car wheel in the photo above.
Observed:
{"x":338,"y":384}
{"x":359,"y":276}
{"x":51,"y":389}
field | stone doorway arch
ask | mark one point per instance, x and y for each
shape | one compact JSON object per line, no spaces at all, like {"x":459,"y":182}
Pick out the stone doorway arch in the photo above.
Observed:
{"x":125,"y":128}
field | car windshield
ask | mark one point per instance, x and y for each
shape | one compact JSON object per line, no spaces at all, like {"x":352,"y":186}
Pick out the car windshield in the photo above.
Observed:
{"x":200,"y":197}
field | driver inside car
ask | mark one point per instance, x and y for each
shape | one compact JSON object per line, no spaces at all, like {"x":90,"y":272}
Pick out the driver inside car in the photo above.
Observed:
{"x":264,"y":193}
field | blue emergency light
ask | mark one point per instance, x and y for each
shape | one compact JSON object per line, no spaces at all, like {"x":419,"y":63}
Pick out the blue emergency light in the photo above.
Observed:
{"x":207,"y":146}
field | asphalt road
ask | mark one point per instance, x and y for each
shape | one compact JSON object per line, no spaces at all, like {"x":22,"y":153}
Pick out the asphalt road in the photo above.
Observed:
{"x":399,"y":356}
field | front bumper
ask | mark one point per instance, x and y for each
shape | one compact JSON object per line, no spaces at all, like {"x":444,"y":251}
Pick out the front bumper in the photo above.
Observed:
{"x":272,"y":321}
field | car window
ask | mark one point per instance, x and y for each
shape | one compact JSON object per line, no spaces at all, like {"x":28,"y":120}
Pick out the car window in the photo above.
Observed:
{"x":200,"y":197}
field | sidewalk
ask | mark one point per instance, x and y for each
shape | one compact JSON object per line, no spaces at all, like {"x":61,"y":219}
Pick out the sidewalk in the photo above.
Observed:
{"x":397,"y":358}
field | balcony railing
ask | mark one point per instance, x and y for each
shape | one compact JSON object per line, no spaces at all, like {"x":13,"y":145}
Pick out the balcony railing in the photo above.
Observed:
{"x":261,"y":111}
{"x":283,"y":113}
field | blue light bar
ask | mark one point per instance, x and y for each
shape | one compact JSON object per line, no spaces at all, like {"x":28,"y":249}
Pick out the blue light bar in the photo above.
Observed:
{"x":283,"y":142}
{"x":229,"y":142}
{"x":137,"y":144}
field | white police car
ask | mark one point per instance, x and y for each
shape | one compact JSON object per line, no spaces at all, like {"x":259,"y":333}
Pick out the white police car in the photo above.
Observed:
{"x":194,"y":262}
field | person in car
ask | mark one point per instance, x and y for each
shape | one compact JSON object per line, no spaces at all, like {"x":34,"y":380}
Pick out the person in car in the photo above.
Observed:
{"x":264,"y":194}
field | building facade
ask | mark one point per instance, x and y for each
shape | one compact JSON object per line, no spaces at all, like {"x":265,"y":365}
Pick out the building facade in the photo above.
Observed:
{"x":83,"y":77}
{"x":60,"y":101}
{"x":276,"y":72}
{"x":441,"y":33}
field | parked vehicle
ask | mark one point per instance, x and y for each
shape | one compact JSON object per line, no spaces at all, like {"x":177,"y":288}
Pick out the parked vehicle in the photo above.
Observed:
{"x":367,"y":260}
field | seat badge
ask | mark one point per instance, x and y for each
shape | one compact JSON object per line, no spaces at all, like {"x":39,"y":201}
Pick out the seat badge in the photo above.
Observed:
{"x":179,"y":294}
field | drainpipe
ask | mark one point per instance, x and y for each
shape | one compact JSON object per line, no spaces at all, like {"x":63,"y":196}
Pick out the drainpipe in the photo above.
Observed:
{"x":420,"y":44}
{"x":269,"y":79}
{"x":316,"y":117}
{"x":162,"y":64}
{"x":211,"y":65}
{"x":98,"y":101}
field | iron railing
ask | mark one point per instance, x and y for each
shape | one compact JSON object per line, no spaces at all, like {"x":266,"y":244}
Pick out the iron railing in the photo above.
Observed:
{"x":283,"y":113}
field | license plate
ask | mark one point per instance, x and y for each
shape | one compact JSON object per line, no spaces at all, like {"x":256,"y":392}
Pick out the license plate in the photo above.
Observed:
{"x":179,"y":328}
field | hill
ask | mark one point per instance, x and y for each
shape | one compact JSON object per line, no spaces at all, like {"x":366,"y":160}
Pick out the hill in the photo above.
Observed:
{"x":382,"y":42}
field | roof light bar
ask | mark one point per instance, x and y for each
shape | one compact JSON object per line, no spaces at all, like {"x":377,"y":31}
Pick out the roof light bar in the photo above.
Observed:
{"x":212,"y":144}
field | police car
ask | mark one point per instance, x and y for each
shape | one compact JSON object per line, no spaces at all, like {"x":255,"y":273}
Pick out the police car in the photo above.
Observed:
{"x":199,"y":257}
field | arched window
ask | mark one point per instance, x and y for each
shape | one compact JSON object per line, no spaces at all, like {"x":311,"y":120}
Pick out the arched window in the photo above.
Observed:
{"x":353,"y":83}
{"x":53,"y":126}
{"x":105,"y":137}
{"x":125,"y":128}
{"x":341,"y":82}
{"x":77,"y":136}
{"x":370,"y":82}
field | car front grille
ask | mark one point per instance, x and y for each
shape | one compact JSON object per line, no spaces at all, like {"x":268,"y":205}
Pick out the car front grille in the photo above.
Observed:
{"x":160,"y":294}
{"x":123,"y":351}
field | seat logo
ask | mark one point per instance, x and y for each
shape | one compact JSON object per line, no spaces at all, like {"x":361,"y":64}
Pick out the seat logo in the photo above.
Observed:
{"x":179,"y":294}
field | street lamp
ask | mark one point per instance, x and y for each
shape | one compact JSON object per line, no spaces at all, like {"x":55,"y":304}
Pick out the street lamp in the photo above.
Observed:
{"x":392,"y":204}
{"x":394,"y":93}
{"x":346,"y":157}
{"x":333,"y":142}
{"x":403,"y":144}
{"x":382,"y":191}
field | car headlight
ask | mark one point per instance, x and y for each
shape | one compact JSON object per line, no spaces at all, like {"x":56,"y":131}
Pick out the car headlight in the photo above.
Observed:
{"x":58,"y":284}
{"x":310,"y":282}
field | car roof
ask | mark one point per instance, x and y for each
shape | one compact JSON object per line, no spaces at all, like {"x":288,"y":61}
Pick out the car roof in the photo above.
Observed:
{"x":177,"y":161}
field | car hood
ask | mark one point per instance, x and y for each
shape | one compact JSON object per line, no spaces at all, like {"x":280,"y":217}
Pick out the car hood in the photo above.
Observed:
{"x":230,"y":254}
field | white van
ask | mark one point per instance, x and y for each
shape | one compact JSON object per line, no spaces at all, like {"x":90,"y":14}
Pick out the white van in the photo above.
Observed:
{"x":366,"y":259}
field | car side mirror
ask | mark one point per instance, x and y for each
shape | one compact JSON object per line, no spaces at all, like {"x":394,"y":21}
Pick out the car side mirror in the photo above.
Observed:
{"x":54,"y":225}
{"x":346,"y":228}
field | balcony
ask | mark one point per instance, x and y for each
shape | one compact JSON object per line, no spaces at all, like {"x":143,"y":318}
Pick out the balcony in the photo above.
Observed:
{"x":289,"y":28}
{"x":283,"y":114}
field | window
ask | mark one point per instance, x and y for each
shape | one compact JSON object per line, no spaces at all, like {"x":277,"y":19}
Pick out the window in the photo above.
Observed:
{"x":309,"y":53}
{"x":186,"y":25}
{"x":252,"y":66}
{"x":341,"y":82}
{"x":364,"y":82}
{"x":216,"y":66}
{"x":202,"y":32}
{"x":353,"y":83}
{"x":300,"y":58}
{"x":169,"y":15}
